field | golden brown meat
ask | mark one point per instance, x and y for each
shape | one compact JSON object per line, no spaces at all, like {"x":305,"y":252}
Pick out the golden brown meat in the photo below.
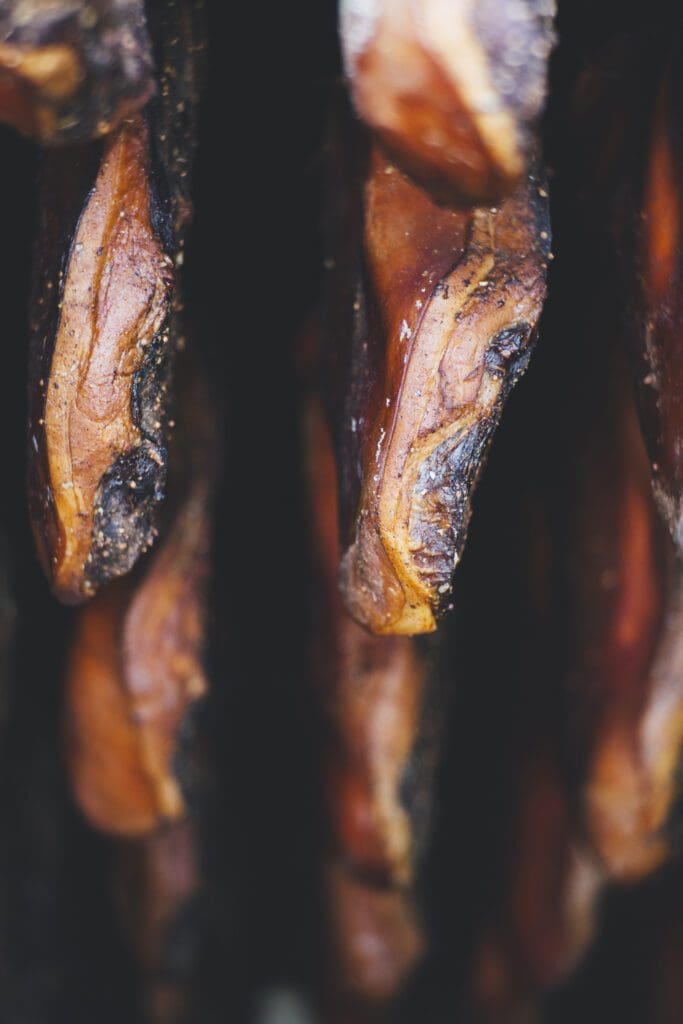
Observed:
{"x":135,"y":670}
{"x":134,"y":674}
{"x":104,"y":333}
{"x":431,"y":320}
{"x":377,"y":766}
{"x":373,"y":690}
{"x":72,"y":71}
{"x":452,"y":87}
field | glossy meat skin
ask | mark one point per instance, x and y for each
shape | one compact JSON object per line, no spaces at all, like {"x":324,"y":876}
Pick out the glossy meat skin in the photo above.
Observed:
{"x":431,"y":318}
{"x":379,"y":756}
{"x":72,"y":71}
{"x":133,"y":678}
{"x":373,"y":690}
{"x":451,"y":87}
{"x":104,"y":331}
{"x":114,"y":324}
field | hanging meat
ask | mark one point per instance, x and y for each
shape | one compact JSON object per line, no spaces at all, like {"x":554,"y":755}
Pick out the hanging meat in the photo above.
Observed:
{"x":379,"y":757}
{"x":430,"y":322}
{"x":72,"y":71}
{"x":452,"y":89}
{"x":649,"y":227}
{"x":106,"y":325}
{"x":160,"y":896}
{"x":136,"y":672}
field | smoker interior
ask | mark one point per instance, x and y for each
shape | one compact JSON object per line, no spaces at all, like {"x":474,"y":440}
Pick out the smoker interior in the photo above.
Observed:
{"x":253,"y":275}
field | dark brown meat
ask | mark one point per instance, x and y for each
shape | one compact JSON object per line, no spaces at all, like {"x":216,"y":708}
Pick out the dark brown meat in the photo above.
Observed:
{"x":136,"y":670}
{"x":105,"y":328}
{"x":431,"y":317}
{"x":452,"y":89}
{"x":72,"y":71}
{"x":379,"y":755}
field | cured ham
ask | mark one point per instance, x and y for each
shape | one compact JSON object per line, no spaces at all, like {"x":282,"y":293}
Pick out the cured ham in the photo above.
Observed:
{"x":105,"y":328}
{"x":432,"y":315}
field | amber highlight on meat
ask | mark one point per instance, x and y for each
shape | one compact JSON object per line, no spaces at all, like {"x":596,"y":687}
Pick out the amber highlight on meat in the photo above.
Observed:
{"x":452,"y":89}
{"x":134,"y":673}
{"x":115,"y":302}
{"x":443,"y":328}
{"x":372,"y":691}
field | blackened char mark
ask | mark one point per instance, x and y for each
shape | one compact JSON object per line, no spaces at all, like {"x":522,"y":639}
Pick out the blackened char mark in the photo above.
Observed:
{"x":448,"y":477}
{"x":151,"y":396}
{"x":66,"y":177}
{"x":125,"y":512}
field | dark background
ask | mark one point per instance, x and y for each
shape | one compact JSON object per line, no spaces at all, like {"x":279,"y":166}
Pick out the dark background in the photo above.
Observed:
{"x":253,"y":268}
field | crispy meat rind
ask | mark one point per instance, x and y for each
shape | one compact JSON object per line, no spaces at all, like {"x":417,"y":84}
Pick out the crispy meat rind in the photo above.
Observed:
{"x":431,"y":318}
{"x":106,"y":324}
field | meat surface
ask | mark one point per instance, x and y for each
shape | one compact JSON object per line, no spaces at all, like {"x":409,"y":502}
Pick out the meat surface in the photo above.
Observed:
{"x":431,"y":317}
{"x":626,"y":667}
{"x":72,"y":71}
{"x":653,"y":248}
{"x":379,"y":754}
{"x":104,"y":331}
{"x":452,"y":88}
{"x":546,"y":918}
{"x":136,"y":673}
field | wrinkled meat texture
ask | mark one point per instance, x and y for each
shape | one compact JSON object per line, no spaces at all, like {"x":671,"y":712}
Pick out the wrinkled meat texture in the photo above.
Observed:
{"x":97,"y":473}
{"x":105,"y":328}
{"x":373,"y":690}
{"x":377,"y":768}
{"x":452,"y":88}
{"x":134,"y":674}
{"x":430,"y":321}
